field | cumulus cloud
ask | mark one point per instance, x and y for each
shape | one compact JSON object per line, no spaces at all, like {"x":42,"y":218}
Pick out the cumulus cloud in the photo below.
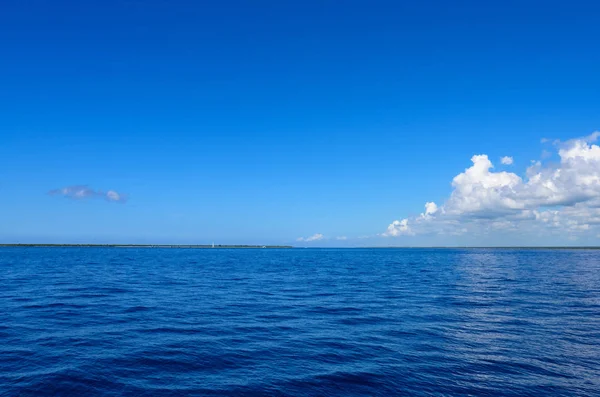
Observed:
{"x":314,"y":237}
{"x":398,"y":228}
{"x":506,"y":160}
{"x":80,"y":192}
{"x":564,"y":197}
{"x":430,"y":209}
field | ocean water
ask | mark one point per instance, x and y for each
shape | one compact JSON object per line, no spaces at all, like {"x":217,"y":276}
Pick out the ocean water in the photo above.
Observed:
{"x":299,"y":322}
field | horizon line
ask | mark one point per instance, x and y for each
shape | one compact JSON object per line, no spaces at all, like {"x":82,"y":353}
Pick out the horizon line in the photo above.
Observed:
{"x":254,"y":246}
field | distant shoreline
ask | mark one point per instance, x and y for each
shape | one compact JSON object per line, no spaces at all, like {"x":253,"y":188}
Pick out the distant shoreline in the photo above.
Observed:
{"x":208,"y":246}
{"x":202,"y":246}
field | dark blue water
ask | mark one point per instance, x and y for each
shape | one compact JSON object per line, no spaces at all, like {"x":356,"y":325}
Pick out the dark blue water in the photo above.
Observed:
{"x":302,"y":322}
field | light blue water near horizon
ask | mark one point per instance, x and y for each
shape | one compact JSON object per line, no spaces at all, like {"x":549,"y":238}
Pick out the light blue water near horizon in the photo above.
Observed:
{"x":299,"y":322}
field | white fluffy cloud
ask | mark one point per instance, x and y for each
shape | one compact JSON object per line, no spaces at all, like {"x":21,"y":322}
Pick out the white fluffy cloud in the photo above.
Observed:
{"x":506,"y":160}
{"x":314,"y":237}
{"x":563,"y":197}
{"x":430,"y":209}
{"x":79,"y":192}
{"x":398,"y":228}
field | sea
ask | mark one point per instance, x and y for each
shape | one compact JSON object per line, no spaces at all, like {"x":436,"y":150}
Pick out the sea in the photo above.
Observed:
{"x":299,"y":322}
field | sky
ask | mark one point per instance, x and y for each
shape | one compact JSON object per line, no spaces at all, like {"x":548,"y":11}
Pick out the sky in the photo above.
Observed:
{"x":313,"y":123}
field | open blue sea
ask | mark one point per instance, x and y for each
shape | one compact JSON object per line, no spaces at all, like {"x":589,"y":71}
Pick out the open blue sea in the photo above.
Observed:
{"x":299,"y":322}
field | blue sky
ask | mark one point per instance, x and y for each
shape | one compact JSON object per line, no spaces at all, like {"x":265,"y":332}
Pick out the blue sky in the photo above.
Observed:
{"x":267,"y":121}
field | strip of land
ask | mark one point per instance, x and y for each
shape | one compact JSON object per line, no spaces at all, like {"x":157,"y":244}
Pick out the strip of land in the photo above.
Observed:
{"x":203,"y":246}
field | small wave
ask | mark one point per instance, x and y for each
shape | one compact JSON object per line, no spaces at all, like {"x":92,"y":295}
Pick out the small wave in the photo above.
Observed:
{"x":168,"y":330}
{"x":56,"y":305}
{"x":136,"y":309}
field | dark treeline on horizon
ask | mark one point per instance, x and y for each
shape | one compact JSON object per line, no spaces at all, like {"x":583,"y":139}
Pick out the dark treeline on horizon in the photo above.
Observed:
{"x":146,"y":245}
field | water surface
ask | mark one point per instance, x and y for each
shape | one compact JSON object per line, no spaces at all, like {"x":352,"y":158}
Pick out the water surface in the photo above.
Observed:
{"x":300,"y":322}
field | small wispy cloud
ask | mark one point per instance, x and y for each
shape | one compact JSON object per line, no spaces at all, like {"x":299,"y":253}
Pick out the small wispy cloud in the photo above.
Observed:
{"x":506,"y":160}
{"x":80,"y":192}
{"x":341,"y":238}
{"x":545,"y":154}
{"x":314,"y":237}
